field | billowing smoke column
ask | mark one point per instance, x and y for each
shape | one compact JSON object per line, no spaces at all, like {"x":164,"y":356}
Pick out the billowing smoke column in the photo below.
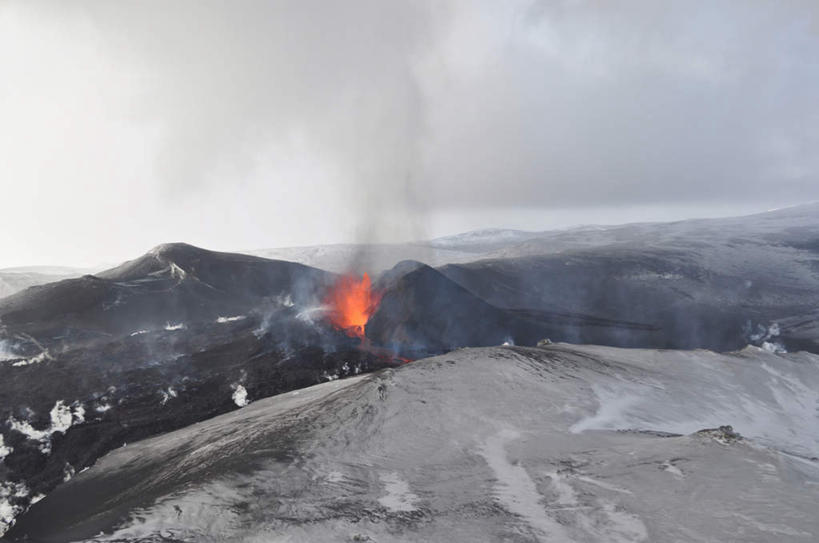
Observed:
{"x":351,"y":302}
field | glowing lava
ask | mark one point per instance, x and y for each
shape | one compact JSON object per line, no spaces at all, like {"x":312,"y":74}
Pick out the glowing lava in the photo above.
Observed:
{"x":351,"y":302}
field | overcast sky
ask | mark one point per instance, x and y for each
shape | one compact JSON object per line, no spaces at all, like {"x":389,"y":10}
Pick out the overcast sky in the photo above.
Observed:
{"x":241,"y":124}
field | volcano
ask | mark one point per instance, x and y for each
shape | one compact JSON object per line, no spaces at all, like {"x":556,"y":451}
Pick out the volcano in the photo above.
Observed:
{"x":176,"y":336}
{"x":424,"y":312}
{"x":182,"y":334}
{"x":351,"y":303}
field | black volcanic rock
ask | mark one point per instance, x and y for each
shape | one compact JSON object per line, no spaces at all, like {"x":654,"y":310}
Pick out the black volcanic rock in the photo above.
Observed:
{"x":390,"y":277}
{"x":697,"y":297}
{"x":426,"y":312}
{"x":229,"y":273}
{"x":171,"y":283}
{"x":707,"y":283}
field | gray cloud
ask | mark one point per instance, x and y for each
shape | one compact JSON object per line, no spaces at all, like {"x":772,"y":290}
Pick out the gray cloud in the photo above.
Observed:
{"x":590,"y":102}
{"x":242,"y":124}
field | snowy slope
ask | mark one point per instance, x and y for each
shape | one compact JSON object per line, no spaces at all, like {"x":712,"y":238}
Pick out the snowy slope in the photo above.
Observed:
{"x":798,"y":223}
{"x":564,"y":443}
{"x":484,"y":240}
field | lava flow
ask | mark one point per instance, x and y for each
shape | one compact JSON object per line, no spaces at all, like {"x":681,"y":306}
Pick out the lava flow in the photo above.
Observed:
{"x":352,"y":302}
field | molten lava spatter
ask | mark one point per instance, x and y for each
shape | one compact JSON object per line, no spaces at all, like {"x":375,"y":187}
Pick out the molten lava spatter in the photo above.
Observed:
{"x":352,"y":302}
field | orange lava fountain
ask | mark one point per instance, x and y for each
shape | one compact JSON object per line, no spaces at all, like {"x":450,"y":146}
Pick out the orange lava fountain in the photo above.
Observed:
{"x":352,"y":302}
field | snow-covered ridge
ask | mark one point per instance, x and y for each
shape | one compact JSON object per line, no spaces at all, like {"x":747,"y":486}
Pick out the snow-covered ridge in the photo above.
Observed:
{"x":561,"y":443}
{"x":483,"y":236}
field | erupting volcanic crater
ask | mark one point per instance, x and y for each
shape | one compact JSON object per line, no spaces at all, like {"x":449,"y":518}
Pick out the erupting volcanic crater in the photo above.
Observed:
{"x":351,"y":302}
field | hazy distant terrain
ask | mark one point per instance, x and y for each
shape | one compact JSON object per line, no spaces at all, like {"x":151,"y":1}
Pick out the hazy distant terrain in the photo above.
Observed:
{"x":376,"y":258}
{"x":796,"y":227}
{"x":16,"y":279}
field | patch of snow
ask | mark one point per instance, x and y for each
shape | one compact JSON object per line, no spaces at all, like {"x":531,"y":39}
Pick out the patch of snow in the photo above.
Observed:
{"x":174,"y":326}
{"x":622,"y":527}
{"x":8,"y":509}
{"x":600,"y":519}
{"x":483,"y":236}
{"x":778,"y":529}
{"x":7,"y":514}
{"x":42,"y":357}
{"x":5,"y":450}
{"x":6,"y":351}
{"x":399,"y":499}
{"x":240,"y":396}
{"x":797,"y":401}
{"x":515,"y":490}
{"x":177,"y":272}
{"x":734,"y":392}
{"x":610,"y":414}
{"x":601,"y":484}
{"x":762,"y":336}
{"x":79,"y":414}
{"x":223,"y":320}
{"x":62,"y":418}
{"x":673,"y":470}
{"x":774,"y":347}
{"x":566,"y":496}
